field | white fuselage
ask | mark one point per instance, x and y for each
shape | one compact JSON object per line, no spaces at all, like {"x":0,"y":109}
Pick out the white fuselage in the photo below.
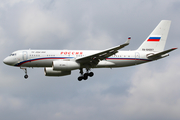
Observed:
{"x":45,"y":58}
{"x":62,"y":62}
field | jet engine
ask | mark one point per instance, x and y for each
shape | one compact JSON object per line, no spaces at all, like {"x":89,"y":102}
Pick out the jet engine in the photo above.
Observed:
{"x":51,"y":72}
{"x":65,"y":65}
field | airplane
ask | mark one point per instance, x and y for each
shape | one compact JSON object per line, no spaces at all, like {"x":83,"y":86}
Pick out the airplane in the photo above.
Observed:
{"x":62,"y":62}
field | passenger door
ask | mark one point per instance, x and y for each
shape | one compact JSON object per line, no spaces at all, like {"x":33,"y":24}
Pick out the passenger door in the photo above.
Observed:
{"x":25,"y":55}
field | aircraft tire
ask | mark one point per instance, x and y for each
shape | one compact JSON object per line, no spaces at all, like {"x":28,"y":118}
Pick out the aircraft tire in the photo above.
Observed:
{"x":85,"y":77}
{"x":91,"y":74}
{"x":80,"y":78}
{"x":26,"y":76}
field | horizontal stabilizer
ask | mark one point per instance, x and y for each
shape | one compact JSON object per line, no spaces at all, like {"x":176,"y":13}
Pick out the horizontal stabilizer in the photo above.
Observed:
{"x":160,"y":54}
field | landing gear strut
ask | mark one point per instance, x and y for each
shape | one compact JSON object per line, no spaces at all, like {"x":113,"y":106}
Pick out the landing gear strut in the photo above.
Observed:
{"x":86,"y":75}
{"x":25,"y":70}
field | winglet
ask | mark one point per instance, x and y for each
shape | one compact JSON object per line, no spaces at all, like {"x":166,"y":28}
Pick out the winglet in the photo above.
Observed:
{"x":128,"y":40}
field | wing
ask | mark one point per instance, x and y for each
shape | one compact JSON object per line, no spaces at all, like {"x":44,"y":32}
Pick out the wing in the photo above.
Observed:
{"x":94,"y":59}
{"x":160,"y":54}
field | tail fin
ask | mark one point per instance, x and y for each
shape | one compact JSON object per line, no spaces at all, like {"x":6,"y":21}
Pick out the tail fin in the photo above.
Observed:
{"x":157,"y":39}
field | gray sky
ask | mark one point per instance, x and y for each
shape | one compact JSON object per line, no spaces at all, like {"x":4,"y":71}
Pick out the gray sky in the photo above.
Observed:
{"x":144,"y":92}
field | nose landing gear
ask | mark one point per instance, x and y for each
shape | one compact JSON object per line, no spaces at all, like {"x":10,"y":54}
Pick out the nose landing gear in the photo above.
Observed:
{"x":25,"y":70}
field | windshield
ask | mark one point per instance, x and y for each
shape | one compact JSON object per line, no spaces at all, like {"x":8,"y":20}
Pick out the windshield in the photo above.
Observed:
{"x":13,"y":54}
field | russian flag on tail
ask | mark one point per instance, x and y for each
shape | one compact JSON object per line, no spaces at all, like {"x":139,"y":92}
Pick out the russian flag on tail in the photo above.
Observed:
{"x":154,"y":39}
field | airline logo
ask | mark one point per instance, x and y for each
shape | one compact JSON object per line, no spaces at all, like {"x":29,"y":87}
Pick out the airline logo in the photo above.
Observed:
{"x":154,"y":39}
{"x":71,"y":53}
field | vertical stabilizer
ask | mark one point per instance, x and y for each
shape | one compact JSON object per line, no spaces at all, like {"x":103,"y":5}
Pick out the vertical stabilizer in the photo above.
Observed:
{"x":157,"y":39}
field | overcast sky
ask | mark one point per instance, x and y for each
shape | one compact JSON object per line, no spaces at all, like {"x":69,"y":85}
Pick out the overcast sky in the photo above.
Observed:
{"x":144,"y":92}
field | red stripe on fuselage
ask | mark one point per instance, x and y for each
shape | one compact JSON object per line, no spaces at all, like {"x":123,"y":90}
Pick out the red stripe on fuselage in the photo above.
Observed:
{"x":155,"y":40}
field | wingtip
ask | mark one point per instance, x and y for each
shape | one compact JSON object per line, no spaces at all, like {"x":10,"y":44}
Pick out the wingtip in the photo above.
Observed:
{"x":128,"y":40}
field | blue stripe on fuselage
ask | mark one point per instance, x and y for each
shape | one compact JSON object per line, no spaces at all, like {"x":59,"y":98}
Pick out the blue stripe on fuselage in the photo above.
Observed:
{"x":36,"y":59}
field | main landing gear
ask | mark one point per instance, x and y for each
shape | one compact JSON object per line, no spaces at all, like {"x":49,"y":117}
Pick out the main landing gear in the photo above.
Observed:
{"x":25,"y":70}
{"x":86,"y":75}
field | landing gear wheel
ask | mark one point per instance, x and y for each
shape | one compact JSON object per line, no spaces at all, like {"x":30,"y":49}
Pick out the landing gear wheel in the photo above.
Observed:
{"x":85,"y":77}
{"x":25,"y":76}
{"x":80,"y":78}
{"x":91,"y":74}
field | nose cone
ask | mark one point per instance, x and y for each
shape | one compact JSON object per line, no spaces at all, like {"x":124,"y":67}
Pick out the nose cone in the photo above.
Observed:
{"x":8,"y":61}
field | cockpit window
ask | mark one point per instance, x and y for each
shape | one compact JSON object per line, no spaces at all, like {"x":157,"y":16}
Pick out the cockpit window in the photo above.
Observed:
{"x":13,"y":54}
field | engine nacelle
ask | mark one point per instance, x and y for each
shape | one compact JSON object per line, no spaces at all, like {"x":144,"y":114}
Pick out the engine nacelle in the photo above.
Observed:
{"x":51,"y":72}
{"x":65,"y":65}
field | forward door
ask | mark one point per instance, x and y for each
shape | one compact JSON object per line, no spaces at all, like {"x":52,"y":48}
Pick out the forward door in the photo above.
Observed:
{"x":25,"y":55}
